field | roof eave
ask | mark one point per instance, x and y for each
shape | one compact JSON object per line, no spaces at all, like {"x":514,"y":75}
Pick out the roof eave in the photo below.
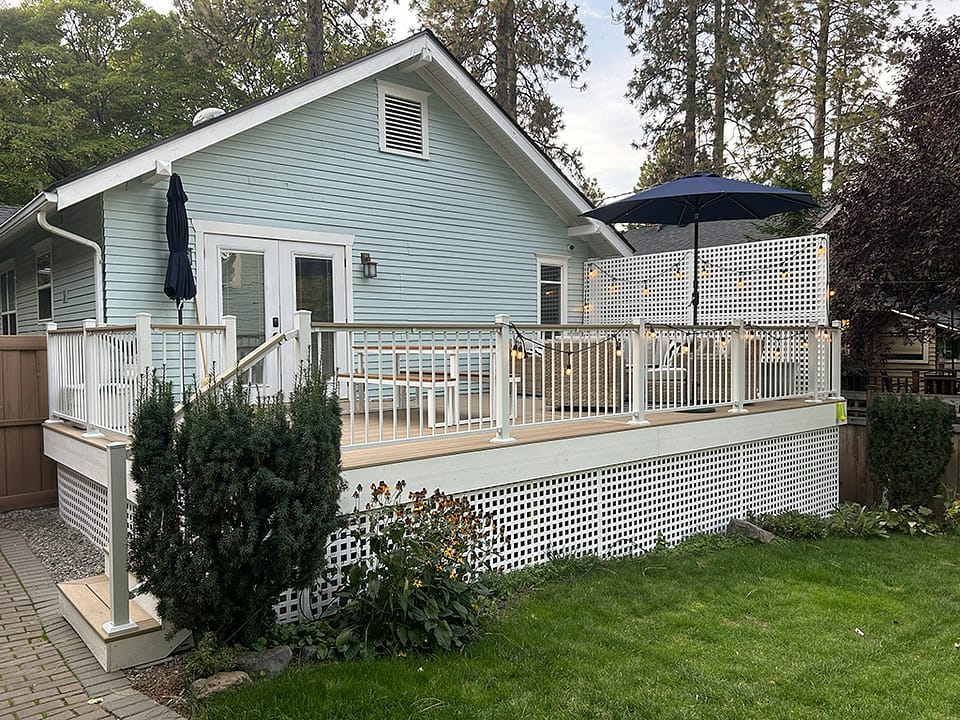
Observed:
{"x":25,"y":218}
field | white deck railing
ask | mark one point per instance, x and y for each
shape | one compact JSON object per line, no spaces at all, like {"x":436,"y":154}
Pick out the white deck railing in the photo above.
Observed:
{"x":94,"y":372}
{"x":401,"y":382}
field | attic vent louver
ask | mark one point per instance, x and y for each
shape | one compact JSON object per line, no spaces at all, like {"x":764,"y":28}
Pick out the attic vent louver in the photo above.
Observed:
{"x":403,"y":120}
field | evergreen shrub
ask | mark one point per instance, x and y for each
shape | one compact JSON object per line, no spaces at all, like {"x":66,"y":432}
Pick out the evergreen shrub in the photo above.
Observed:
{"x":909,"y":445}
{"x":234,"y":505}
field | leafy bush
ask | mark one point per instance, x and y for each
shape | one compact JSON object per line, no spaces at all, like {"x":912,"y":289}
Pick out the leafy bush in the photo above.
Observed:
{"x":235,"y":505}
{"x":317,"y":633}
{"x":951,"y":516}
{"x":417,"y":590}
{"x":909,"y":444}
{"x":912,"y":521}
{"x":708,"y":542}
{"x":209,"y":657}
{"x":855,"y":520}
{"x":792,"y":524}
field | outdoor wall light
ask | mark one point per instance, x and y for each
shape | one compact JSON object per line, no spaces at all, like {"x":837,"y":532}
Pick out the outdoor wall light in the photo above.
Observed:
{"x":369,"y":266}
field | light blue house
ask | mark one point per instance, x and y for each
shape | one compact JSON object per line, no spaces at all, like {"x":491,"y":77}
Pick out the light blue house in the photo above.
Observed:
{"x":400,"y":158}
{"x":393,"y":196}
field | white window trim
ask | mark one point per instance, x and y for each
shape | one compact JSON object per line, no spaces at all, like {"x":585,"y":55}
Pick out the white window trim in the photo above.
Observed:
{"x":564,"y":262}
{"x":407,"y":93}
{"x":5,"y":267}
{"x":44,"y":246}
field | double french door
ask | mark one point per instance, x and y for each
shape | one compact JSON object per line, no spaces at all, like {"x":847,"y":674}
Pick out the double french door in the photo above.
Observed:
{"x":262,"y":282}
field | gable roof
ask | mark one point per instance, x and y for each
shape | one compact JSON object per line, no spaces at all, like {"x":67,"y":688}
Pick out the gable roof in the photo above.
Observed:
{"x":6,"y":212}
{"x":667,"y":238}
{"x":421,"y":53}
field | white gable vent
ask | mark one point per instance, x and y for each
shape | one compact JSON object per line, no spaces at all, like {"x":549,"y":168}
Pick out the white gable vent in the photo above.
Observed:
{"x":403,"y":120}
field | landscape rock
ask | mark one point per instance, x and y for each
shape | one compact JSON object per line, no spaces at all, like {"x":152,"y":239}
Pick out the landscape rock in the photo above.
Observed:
{"x":748,"y":529}
{"x":266,"y":663}
{"x":205,"y":687}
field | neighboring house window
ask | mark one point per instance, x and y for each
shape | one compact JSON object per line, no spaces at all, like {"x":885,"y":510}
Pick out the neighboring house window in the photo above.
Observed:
{"x":403,"y":120}
{"x":44,"y":283}
{"x":8,"y":299}
{"x":552,"y":289}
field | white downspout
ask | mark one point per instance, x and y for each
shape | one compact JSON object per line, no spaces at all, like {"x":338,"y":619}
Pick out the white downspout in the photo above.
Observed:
{"x":97,"y":259}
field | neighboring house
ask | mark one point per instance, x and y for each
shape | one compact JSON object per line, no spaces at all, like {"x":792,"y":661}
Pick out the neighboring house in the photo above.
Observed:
{"x":402,"y":160}
{"x":650,"y":239}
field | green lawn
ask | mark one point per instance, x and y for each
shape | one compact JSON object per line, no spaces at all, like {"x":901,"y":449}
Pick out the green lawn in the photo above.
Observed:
{"x":746,"y":632}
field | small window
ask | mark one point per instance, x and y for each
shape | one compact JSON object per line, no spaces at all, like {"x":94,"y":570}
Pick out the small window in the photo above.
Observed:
{"x":44,"y":286}
{"x":551,"y":290}
{"x":403,"y":120}
{"x":8,"y":300}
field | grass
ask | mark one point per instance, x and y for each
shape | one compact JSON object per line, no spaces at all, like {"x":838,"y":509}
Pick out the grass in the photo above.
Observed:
{"x":744,"y":632}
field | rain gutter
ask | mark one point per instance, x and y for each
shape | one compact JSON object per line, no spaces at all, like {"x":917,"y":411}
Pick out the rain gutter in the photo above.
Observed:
{"x":86,"y":242}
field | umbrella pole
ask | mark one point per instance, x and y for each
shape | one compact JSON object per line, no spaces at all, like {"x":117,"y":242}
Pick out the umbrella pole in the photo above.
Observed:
{"x":183,"y":393}
{"x":696,"y":264}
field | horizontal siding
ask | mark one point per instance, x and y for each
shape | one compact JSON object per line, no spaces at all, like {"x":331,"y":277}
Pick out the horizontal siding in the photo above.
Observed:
{"x":455,"y":236}
{"x":73,"y":291}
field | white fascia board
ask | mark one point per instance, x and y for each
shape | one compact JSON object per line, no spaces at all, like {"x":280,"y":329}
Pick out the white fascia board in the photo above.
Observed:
{"x":26,"y":216}
{"x":202,"y":137}
{"x":552,"y":185}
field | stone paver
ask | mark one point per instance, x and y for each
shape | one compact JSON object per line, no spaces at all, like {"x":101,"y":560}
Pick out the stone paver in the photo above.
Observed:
{"x":46,"y":672}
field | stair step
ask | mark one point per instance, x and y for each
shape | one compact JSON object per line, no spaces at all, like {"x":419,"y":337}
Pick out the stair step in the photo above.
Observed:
{"x":91,"y":598}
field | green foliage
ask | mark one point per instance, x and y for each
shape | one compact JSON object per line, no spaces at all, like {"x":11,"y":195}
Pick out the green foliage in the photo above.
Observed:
{"x":317,"y":633}
{"x":951,"y":516}
{"x":855,"y":520}
{"x":909,"y":445}
{"x":234,"y":506}
{"x":558,"y":569}
{"x":704,"y":543}
{"x":417,"y":589}
{"x":792,"y":524}
{"x":209,"y":657}
{"x":82,"y":81}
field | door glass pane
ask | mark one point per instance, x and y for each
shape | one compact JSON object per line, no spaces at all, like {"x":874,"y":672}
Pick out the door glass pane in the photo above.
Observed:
{"x":314,"y":278}
{"x":242,"y":294}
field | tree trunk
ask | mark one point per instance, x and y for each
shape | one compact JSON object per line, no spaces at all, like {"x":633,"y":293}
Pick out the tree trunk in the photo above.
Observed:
{"x":820,"y":97}
{"x":505,"y":91}
{"x":690,"y":92}
{"x":721,"y":39}
{"x":315,"y":40}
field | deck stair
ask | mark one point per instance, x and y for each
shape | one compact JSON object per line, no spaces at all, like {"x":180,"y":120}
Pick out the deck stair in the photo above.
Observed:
{"x":85,"y":604}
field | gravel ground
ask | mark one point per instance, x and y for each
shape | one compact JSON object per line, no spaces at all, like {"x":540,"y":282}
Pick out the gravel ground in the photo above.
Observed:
{"x":66,"y":552}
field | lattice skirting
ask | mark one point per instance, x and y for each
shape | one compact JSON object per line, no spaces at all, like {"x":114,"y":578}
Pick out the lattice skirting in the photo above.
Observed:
{"x":624,"y":509}
{"x":608,"y":511}
{"x":83,"y":505}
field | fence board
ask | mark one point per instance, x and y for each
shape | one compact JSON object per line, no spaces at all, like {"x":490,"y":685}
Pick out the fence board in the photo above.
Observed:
{"x":27,"y":478}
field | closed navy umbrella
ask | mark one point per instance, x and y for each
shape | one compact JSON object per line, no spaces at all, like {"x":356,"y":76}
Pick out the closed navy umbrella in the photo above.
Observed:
{"x":702,"y":197}
{"x":179,"y":284}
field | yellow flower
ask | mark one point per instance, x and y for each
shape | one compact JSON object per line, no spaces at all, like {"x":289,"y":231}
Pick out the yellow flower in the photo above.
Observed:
{"x":453,"y":574}
{"x":449,"y":552}
{"x":417,"y":583}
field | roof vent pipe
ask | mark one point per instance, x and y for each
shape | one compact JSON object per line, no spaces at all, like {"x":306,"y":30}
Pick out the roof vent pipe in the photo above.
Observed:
{"x":97,"y":259}
{"x":207,"y":114}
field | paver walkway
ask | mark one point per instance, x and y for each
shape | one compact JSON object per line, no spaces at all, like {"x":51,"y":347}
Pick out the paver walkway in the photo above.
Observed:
{"x":45,"y":669}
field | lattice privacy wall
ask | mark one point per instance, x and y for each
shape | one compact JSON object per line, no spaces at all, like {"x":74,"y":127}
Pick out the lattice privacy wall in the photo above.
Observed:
{"x":623,"y":509}
{"x":769,"y":282}
{"x":616,"y":510}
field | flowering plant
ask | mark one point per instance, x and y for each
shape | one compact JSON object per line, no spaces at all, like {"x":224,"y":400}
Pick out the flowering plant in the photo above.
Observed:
{"x":417,"y":589}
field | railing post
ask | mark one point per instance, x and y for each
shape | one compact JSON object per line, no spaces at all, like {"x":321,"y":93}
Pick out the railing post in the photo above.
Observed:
{"x":813,"y":363}
{"x":53,"y":375}
{"x":302,"y":320}
{"x":144,"y":343}
{"x":738,"y":369}
{"x":229,"y":343}
{"x":91,"y":366}
{"x":638,"y":372}
{"x":835,"y":389}
{"x":117,"y":519}
{"x":501,"y":380}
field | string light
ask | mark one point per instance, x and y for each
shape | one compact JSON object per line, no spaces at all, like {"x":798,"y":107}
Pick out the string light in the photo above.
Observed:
{"x":618,"y":350}
{"x":677,"y":275}
{"x":831,"y":292}
{"x":593,"y":272}
{"x":587,"y":307}
{"x":568,"y":370}
{"x":821,"y":250}
{"x":645,"y":290}
{"x":784,"y":274}
{"x":613,"y":288}
{"x":685,"y":348}
{"x":741,"y":283}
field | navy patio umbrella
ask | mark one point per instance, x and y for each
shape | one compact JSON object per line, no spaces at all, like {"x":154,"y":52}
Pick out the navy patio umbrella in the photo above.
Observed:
{"x":702,"y":197}
{"x":179,"y":284}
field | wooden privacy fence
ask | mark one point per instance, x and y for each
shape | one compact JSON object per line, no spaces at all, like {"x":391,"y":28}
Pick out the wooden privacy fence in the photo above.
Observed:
{"x":27,"y":478}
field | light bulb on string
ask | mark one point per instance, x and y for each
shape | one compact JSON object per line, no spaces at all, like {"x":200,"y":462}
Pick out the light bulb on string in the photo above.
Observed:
{"x":821,"y":250}
{"x":741,"y":284}
{"x":568,"y":369}
{"x":677,"y":275}
{"x":592,"y":272}
{"x":784,"y":274}
{"x":613,"y":288}
{"x":618,"y":349}
{"x":588,"y":307}
{"x":645,"y":290}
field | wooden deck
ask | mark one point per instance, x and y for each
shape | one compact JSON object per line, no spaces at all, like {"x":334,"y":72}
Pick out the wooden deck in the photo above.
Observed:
{"x":454,"y":443}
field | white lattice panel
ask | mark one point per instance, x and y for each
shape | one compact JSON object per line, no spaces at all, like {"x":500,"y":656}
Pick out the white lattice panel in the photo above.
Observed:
{"x":624,"y":509}
{"x":610,"y":511}
{"x":770,"y":282}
